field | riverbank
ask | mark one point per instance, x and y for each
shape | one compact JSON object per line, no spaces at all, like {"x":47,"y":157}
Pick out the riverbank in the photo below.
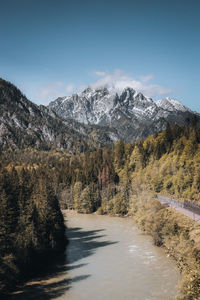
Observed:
{"x":121,"y":261}
{"x":179,"y":235}
{"x":170,"y":229}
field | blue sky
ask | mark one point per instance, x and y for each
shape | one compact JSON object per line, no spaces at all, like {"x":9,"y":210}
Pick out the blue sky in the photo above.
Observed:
{"x":52,"y":48}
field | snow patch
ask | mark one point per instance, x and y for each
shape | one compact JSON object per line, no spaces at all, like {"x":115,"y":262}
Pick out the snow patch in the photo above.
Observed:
{"x":171,"y":105}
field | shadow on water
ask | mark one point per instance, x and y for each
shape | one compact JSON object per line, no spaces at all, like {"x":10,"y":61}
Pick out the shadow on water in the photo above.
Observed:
{"x":53,"y":280}
{"x":84,"y":243}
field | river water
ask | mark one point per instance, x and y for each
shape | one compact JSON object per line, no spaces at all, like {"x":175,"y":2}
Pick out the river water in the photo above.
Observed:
{"x":108,"y":258}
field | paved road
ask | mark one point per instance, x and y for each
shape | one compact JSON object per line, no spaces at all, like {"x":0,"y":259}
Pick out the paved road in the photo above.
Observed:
{"x":179,"y":207}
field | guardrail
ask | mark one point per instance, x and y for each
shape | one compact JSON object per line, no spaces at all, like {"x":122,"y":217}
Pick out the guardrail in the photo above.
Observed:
{"x":192,"y":207}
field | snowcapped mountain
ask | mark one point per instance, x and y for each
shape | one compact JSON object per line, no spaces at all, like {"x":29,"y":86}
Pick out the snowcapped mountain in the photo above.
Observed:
{"x":171,"y":105}
{"x":99,"y":106}
{"x":88,"y":120}
{"x":24,"y":124}
{"x":132,"y":114}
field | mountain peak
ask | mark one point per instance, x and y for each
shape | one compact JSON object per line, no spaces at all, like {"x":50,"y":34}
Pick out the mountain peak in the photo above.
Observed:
{"x":128,"y":92}
{"x":131,"y":113}
{"x":87,"y":90}
{"x":171,"y":104}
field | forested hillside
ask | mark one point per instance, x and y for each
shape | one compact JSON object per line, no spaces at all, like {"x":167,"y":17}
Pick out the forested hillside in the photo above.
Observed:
{"x":120,"y":180}
{"x":167,"y":163}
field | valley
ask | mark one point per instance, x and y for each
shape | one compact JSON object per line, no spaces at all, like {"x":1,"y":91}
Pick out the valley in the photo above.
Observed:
{"x":49,"y":163}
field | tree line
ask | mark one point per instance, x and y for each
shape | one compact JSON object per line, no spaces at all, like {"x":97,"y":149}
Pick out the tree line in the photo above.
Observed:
{"x":167,"y":162}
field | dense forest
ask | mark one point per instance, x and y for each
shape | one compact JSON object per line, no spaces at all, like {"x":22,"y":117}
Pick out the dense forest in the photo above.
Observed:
{"x":31,"y":224}
{"x":120,"y":180}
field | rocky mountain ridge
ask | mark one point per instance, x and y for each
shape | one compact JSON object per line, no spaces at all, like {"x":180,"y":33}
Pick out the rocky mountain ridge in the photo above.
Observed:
{"x":85,"y":121}
{"x":24,"y":124}
{"x":131,"y":114}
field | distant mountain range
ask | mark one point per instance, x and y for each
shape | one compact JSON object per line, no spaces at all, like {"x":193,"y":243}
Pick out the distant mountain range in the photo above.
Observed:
{"x":131,"y":114}
{"x":91,"y":119}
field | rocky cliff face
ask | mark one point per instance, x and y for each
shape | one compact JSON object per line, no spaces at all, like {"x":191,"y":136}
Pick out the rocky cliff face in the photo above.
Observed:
{"x":131,"y":114}
{"x":24,"y":124}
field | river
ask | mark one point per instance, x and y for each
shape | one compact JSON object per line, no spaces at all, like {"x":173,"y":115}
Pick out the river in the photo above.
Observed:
{"x":108,"y":258}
